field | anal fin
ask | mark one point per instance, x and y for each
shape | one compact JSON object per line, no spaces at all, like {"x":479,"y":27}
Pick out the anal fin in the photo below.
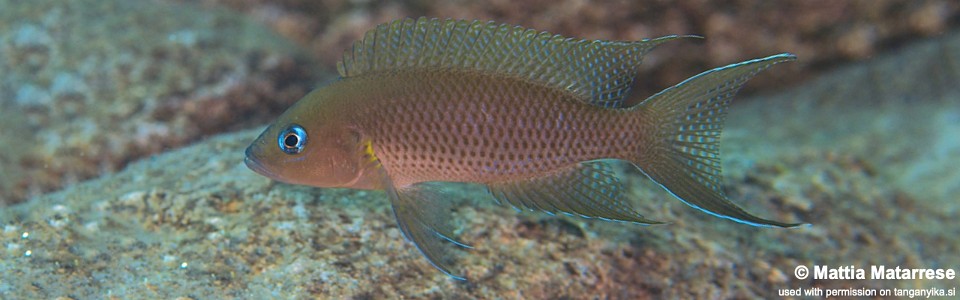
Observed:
{"x":590,"y":190}
{"x":423,"y":217}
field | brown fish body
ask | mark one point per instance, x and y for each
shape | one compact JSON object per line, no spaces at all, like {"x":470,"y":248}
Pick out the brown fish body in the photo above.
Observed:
{"x":532,"y":116}
{"x":432,"y":125}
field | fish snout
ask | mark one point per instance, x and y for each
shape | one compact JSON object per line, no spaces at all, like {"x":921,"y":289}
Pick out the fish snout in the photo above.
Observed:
{"x":254,"y":164}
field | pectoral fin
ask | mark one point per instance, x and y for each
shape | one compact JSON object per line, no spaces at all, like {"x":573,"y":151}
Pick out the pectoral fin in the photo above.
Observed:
{"x":590,"y":190}
{"x":423,"y":217}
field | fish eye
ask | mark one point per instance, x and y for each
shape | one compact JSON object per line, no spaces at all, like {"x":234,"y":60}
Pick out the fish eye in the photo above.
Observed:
{"x":292,"y":139}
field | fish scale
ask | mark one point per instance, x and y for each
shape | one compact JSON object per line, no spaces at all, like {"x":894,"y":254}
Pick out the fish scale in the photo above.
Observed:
{"x":525,"y":135}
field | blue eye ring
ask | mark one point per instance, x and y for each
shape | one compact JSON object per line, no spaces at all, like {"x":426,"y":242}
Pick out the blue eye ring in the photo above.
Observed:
{"x":292,"y":139}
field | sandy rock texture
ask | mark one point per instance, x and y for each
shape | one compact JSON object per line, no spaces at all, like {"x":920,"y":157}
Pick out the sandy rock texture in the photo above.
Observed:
{"x":839,"y":153}
{"x":821,"y":32}
{"x":88,"y":85}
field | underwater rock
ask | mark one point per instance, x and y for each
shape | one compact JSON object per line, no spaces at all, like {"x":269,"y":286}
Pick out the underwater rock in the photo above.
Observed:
{"x":822,"y":32}
{"x":195,"y":222}
{"x":90,"y":85}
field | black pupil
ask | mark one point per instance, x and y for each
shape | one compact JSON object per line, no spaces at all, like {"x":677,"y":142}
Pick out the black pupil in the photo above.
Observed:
{"x":291,"y":140}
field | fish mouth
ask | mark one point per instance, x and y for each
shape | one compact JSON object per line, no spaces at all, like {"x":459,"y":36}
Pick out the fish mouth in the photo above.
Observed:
{"x":255,"y":164}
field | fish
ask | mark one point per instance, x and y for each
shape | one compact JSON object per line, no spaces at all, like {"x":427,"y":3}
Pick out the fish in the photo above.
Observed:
{"x":538,"y":118}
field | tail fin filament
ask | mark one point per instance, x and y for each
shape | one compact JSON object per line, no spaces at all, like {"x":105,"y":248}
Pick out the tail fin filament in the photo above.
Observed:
{"x":690,"y":118}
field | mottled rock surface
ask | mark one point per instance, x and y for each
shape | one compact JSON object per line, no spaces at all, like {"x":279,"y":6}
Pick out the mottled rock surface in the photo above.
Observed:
{"x":821,"y":32}
{"x":89,"y":85}
{"x":840,"y":153}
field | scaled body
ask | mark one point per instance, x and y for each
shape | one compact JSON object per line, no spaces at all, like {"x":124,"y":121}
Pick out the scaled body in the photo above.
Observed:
{"x":533,"y":116}
{"x":429,"y":125}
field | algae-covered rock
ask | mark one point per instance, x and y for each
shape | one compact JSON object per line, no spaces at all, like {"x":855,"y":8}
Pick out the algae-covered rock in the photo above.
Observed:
{"x":194,"y":222}
{"x":89,"y":85}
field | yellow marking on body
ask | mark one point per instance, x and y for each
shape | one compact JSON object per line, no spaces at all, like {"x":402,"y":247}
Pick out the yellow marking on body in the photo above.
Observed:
{"x":369,"y":154}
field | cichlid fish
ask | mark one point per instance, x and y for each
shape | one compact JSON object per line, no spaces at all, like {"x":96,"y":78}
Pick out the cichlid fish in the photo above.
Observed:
{"x":535,"y":117}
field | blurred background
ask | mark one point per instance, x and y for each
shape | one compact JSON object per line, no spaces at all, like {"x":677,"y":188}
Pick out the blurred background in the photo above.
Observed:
{"x":822,"y":33}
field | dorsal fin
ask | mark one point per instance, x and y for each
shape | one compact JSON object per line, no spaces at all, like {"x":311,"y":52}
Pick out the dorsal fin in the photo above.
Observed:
{"x":601,"y":72}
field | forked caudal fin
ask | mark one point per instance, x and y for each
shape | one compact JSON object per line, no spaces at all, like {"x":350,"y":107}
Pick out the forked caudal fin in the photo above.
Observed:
{"x":686,"y":152}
